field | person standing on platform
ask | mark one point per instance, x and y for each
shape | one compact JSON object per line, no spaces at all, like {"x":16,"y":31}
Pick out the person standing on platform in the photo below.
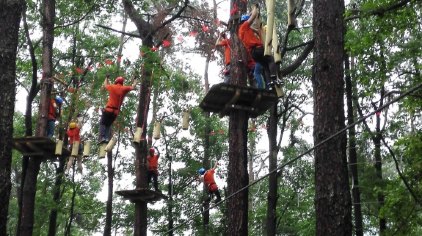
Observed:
{"x":54,"y":110}
{"x":209,"y":182}
{"x":117,"y":93}
{"x":73,"y":134}
{"x":152,"y":174}
{"x":223,"y":41}
{"x":251,"y":39}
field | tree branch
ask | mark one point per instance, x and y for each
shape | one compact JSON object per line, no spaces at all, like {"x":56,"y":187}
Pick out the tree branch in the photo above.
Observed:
{"x":379,"y":11}
{"x":119,"y":31}
{"x":296,"y":63}
{"x":177,"y":15}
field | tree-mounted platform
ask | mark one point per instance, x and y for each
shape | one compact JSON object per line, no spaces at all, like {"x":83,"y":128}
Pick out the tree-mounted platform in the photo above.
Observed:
{"x":223,"y":98}
{"x":141,"y":195}
{"x":42,"y":147}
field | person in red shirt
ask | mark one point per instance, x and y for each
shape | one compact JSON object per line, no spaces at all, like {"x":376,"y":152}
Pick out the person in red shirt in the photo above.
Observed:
{"x":251,"y":39}
{"x":117,"y":93}
{"x":223,"y":41}
{"x":53,"y":113}
{"x":152,"y":173}
{"x":73,"y":134}
{"x":209,"y":182}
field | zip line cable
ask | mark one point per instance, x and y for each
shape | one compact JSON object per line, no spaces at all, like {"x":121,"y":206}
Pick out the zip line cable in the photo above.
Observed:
{"x":360,"y":120}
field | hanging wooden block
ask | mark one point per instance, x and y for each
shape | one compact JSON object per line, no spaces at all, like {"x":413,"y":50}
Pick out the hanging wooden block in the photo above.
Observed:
{"x":157,"y":127}
{"x":59,"y":147}
{"x":87,"y":148}
{"x":270,"y":26}
{"x":111,"y":144}
{"x":279,"y":90}
{"x":138,"y":134}
{"x":277,"y":53}
{"x":185,"y":121}
{"x":291,"y":8}
{"x":102,"y":151}
{"x":75,"y":148}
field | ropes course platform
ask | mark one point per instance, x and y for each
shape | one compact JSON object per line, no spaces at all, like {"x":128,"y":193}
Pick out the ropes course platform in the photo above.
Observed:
{"x":37,"y":147}
{"x":141,"y":195}
{"x":223,"y":98}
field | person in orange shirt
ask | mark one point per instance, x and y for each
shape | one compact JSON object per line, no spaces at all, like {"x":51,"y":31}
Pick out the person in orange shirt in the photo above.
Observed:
{"x":209,"y":182}
{"x":73,"y":134}
{"x":251,"y":39}
{"x":54,"y":110}
{"x":223,"y":41}
{"x":117,"y":93}
{"x":153,"y":167}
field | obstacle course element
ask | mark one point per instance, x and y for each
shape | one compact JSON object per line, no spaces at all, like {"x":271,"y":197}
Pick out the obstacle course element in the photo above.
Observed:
{"x":141,"y":195}
{"x":223,"y":98}
{"x":38,"y":147}
{"x":156,"y":131}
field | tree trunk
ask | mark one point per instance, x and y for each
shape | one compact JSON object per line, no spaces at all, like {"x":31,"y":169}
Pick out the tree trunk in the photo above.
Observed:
{"x":109,"y":203}
{"x":56,"y":197}
{"x":29,"y":188}
{"x":10,"y":15}
{"x":332,"y":198}
{"x":272,"y":181}
{"x":378,"y":166}
{"x":352,"y":152}
{"x":68,"y":229}
{"x":237,"y":213}
{"x":170,"y":194}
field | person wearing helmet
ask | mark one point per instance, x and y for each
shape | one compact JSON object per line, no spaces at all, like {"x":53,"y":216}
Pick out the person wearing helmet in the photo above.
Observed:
{"x":209,"y":183}
{"x":152,"y":173}
{"x":54,"y":110}
{"x":251,"y":39}
{"x":117,"y":93}
{"x":73,"y":134}
{"x":223,"y":41}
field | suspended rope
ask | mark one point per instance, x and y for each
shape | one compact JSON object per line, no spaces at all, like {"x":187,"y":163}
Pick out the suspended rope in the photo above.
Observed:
{"x":404,"y":94}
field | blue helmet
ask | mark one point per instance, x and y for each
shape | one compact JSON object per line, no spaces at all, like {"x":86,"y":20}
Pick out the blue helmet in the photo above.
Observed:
{"x":244,"y":17}
{"x":201,"y":171}
{"x":59,"y":100}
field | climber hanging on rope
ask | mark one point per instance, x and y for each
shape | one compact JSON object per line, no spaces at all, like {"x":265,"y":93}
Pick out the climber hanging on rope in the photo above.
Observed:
{"x":117,"y":93}
{"x":152,"y":174}
{"x":54,"y":111}
{"x":253,"y":44}
{"x":73,"y":134}
{"x":209,"y":183}
{"x":223,"y":41}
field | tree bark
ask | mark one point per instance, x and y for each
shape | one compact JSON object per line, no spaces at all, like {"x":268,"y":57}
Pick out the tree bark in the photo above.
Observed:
{"x":271,"y":225}
{"x":352,"y":152}
{"x":10,"y":16}
{"x":332,"y":203}
{"x":29,"y":188}
{"x":237,"y":215}
{"x":109,"y":203}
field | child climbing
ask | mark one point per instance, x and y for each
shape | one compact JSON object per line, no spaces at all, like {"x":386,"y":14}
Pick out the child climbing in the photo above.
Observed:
{"x":252,"y":41}
{"x":209,"y":182}
{"x":73,"y":134}
{"x":117,"y":93}
{"x":223,"y":41}
{"x":54,"y":111}
{"x":152,"y":174}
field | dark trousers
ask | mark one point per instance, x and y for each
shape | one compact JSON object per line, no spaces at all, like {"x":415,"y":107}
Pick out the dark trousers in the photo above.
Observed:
{"x":270,"y":68}
{"x":211,"y":195}
{"x":153,"y":177}
{"x":107,"y":119}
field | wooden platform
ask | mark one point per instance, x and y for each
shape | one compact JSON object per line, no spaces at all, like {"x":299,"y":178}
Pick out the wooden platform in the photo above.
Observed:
{"x":223,"y":98}
{"x":141,"y":195}
{"x":37,"y":147}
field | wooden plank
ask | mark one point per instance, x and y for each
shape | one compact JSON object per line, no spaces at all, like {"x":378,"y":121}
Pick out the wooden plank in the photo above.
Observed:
{"x":141,"y":195}
{"x":37,"y":147}
{"x":222,"y":98}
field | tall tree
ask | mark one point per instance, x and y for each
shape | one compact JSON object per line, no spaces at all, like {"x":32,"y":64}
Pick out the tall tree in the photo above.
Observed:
{"x":10,"y":16}
{"x":237,"y":216}
{"x":332,"y":198}
{"x":29,"y":188}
